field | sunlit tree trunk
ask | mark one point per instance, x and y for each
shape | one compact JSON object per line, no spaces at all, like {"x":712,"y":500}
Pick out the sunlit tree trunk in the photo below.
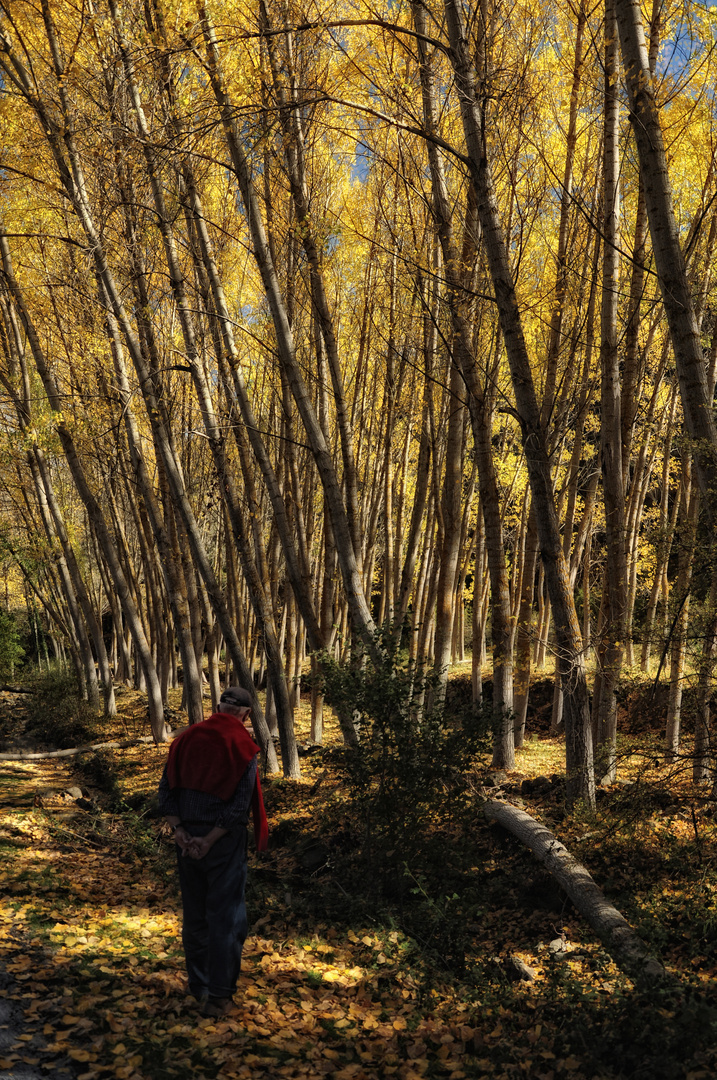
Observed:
{"x":191,"y":664}
{"x":422,"y":474}
{"x":451,"y":532}
{"x":666,"y":530}
{"x":557,"y":320}
{"x":89,"y":687}
{"x":335,"y":505}
{"x":290,"y":758}
{"x":524,"y":631}
{"x":94,"y":511}
{"x":478,"y":617}
{"x":290,"y":118}
{"x":481,"y":413}
{"x":611,"y":649}
{"x":669,"y":259}
{"x":689,"y":512}
{"x":54,"y":523}
{"x":579,"y":752}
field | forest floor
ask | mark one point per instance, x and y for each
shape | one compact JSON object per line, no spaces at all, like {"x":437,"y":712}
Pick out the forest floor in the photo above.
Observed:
{"x":343,"y":977}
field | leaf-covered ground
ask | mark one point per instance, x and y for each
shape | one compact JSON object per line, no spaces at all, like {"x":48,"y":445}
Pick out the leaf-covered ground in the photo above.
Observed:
{"x":338,"y":981}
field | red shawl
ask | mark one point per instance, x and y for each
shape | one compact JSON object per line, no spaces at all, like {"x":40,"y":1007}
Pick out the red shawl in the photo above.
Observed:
{"x":212,"y":756}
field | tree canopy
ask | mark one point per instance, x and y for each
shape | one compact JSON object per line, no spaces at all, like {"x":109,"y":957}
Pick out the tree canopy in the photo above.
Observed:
{"x":317,"y":320}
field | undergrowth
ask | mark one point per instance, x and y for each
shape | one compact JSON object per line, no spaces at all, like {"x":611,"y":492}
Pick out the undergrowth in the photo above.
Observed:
{"x":59,"y":716}
{"x":408,"y":797}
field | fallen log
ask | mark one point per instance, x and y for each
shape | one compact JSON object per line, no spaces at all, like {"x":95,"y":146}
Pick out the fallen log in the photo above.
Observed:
{"x":16,"y":689}
{"x":117,"y":744}
{"x":627,"y":950}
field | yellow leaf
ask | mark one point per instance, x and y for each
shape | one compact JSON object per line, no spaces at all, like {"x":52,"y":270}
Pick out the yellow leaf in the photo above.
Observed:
{"x":69,"y":1019}
{"x":399,"y":1024}
{"x":70,"y":941}
{"x":79,"y":1055}
{"x":381,"y":959}
{"x":120,"y":1048}
{"x":367,"y":940}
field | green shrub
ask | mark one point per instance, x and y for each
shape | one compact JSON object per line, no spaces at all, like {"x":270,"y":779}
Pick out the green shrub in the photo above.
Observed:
{"x":408,"y":805}
{"x":408,"y":780}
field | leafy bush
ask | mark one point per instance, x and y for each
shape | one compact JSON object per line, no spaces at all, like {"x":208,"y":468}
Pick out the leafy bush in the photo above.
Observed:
{"x":408,"y":780}
{"x":408,"y":789}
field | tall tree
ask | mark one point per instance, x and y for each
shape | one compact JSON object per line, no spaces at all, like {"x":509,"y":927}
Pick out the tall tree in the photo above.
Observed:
{"x":571,"y":664}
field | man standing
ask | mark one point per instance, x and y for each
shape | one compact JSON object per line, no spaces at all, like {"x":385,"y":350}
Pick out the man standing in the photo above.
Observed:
{"x":209,"y":782}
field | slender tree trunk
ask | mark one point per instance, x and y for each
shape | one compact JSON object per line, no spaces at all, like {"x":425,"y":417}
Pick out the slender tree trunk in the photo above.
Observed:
{"x":555,"y":340}
{"x":191,"y":666}
{"x":690,"y":503}
{"x":290,"y":118}
{"x":477,"y":621}
{"x":669,"y":260}
{"x":216,"y":441}
{"x":612,"y":644}
{"x":703,"y":756}
{"x":94,"y":512}
{"x":335,"y":505}
{"x":480,"y":409}
{"x":667,"y":525}
{"x":579,"y":751}
{"x":451,"y":514}
{"x":524,"y":631}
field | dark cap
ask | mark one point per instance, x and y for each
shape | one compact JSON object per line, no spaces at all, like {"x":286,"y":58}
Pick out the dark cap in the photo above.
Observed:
{"x":236,"y":695}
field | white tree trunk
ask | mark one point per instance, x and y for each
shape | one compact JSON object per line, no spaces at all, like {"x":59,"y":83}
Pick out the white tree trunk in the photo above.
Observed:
{"x":621,"y":941}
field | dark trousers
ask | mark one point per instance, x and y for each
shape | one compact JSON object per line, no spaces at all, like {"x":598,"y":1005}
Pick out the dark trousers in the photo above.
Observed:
{"x":215,"y":925}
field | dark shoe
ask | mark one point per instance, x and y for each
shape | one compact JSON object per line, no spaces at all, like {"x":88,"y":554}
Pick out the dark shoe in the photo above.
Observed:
{"x":217,"y":1007}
